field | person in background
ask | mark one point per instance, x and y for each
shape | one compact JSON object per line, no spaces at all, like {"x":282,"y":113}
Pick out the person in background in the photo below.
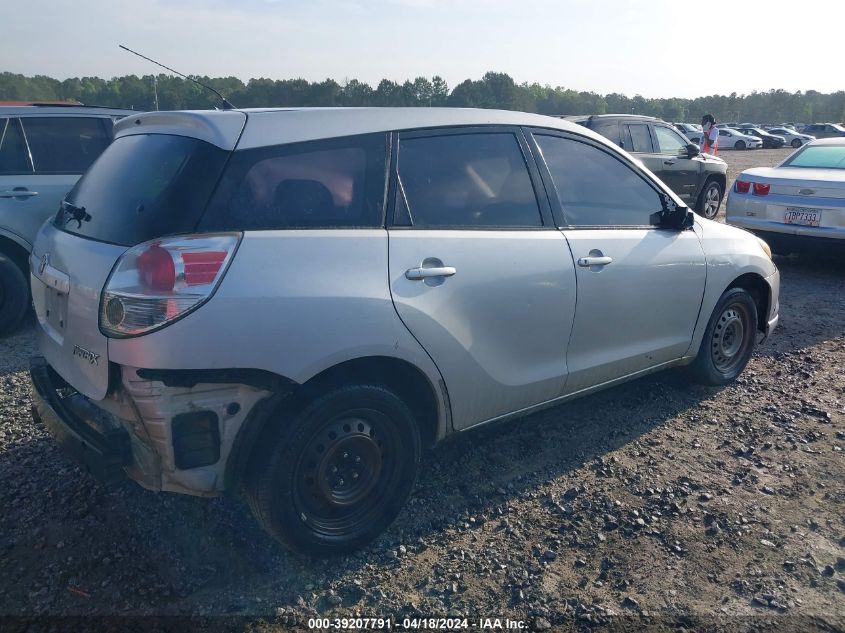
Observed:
{"x":709,"y":135}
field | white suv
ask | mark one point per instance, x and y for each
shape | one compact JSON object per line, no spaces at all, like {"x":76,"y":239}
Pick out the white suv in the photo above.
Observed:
{"x":295,"y":302}
{"x":43,"y":151}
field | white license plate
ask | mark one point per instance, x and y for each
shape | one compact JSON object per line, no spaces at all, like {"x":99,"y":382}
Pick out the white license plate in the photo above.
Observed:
{"x":803,"y":216}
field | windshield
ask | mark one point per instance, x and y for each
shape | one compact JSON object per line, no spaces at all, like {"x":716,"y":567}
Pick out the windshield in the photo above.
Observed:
{"x":142,"y":187}
{"x":819,"y":157}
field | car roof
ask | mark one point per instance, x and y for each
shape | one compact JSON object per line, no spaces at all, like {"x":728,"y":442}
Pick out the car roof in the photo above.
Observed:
{"x":63,"y":110}
{"x":836,"y":141}
{"x":261,"y":127}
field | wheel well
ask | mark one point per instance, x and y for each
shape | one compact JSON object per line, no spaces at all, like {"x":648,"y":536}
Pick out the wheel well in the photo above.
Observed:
{"x":16,"y":253}
{"x":722,"y":179}
{"x":401,"y":377}
{"x":759,"y":291}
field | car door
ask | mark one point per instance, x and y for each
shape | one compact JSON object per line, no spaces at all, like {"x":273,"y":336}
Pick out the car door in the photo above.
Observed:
{"x":478,"y":272}
{"x":679,"y":171}
{"x":639,"y":285}
{"x":60,"y":150}
{"x":17,"y":190}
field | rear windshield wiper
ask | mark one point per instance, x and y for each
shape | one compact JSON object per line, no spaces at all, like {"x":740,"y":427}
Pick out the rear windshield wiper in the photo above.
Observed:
{"x":73,"y":212}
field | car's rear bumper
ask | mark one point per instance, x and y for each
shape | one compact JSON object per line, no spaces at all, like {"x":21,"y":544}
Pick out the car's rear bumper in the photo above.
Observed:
{"x":804,"y":242}
{"x":104,"y":452}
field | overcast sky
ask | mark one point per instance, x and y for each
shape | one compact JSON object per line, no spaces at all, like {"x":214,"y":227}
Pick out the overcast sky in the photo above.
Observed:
{"x":657,"y":48}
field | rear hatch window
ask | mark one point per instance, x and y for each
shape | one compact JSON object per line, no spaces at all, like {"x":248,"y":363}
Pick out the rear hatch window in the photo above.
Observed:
{"x":142,"y":187}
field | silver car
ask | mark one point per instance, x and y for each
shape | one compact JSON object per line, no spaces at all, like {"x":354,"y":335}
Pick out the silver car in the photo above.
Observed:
{"x":798,"y":205}
{"x":43,"y":151}
{"x":295,"y":302}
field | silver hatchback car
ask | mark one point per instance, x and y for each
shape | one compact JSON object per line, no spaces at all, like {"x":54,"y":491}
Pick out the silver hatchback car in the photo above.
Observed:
{"x":295,"y":302}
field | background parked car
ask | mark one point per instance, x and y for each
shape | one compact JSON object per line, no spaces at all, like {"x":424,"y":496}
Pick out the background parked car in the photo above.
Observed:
{"x":730,"y":138}
{"x":691,"y":130}
{"x":798,"y":205}
{"x":770,"y":141}
{"x":699,"y":179}
{"x":43,"y":151}
{"x":793,"y":138}
{"x":824,"y":130}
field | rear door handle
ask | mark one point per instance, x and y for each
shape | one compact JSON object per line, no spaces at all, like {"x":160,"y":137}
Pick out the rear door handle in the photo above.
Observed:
{"x":668,"y":162}
{"x":426,"y":273}
{"x":586,"y":262}
{"x":17,"y":193}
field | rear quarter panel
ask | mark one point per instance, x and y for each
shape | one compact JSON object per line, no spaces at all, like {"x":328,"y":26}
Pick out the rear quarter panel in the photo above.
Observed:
{"x":293,"y":303}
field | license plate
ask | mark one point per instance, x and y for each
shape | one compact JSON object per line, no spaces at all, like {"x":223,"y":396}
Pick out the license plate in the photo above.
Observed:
{"x":803,"y":216}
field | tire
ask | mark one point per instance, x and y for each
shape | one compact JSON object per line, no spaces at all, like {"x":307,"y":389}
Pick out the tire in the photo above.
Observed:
{"x":739,"y":145}
{"x":796,"y":143}
{"x":722,"y":356}
{"x":14,"y":295}
{"x":709,"y":200}
{"x":339,"y":471}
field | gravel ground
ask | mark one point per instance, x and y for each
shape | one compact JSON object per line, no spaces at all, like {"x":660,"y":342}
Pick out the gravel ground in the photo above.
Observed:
{"x":655,"y":504}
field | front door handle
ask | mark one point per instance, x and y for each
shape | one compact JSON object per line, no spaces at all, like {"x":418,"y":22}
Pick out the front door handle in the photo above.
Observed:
{"x":586,"y":262}
{"x":668,"y":162}
{"x":18,"y":193}
{"x":426,"y":273}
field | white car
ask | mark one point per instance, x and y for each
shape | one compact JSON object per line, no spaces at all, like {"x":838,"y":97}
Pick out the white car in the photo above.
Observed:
{"x":798,"y":205}
{"x":730,"y":138}
{"x":796,"y":139}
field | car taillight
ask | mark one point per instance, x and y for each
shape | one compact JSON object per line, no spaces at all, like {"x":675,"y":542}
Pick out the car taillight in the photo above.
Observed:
{"x":155,"y":283}
{"x":741,"y":186}
{"x":761,"y":189}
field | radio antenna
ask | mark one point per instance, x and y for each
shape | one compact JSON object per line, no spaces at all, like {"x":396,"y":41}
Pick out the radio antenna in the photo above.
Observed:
{"x":224,"y":101}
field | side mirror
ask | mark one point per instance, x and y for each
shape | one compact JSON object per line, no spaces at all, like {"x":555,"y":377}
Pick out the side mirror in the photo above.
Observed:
{"x":692,"y":150}
{"x":672,"y":216}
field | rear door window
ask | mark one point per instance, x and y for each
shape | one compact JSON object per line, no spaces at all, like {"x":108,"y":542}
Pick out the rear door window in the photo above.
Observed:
{"x":640,"y":138}
{"x":14,"y":158}
{"x":65,"y":145}
{"x":466,"y":180}
{"x":333,"y":183}
{"x":142,"y":187}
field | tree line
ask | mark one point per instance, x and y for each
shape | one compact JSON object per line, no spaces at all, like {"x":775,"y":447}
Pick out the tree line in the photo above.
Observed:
{"x":493,"y":90}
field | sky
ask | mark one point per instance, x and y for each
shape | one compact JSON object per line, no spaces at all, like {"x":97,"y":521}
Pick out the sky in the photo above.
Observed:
{"x":656,"y":48}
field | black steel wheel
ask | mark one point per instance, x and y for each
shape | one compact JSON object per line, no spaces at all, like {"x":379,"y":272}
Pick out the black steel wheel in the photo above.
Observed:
{"x":729,"y":339}
{"x":14,"y":295}
{"x":339,"y":472}
{"x":709,"y":200}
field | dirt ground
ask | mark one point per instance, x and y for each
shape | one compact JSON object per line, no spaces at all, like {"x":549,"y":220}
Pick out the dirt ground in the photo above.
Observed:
{"x":655,"y":505}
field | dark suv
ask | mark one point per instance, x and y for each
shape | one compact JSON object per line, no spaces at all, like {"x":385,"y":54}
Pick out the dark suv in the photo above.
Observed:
{"x":698,"y":179}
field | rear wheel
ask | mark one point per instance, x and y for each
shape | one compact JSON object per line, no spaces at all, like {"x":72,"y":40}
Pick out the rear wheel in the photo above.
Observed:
{"x":729,"y":339}
{"x":14,"y":295}
{"x":709,"y":200}
{"x":339,"y":472}
{"x":796,"y":143}
{"x":739,"y":145}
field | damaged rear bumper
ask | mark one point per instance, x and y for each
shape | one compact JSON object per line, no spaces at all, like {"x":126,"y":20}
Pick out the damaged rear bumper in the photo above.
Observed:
{"x":169,"y":431}
{"x":102,"y":451}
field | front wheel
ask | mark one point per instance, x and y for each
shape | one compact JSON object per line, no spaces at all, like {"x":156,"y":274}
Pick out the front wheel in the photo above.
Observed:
{"x":739,"y":145}
{"x":729,"y":339}
{"x":339,"y":471}
{"x":709,"y":200}
{"x":796,"y":143}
